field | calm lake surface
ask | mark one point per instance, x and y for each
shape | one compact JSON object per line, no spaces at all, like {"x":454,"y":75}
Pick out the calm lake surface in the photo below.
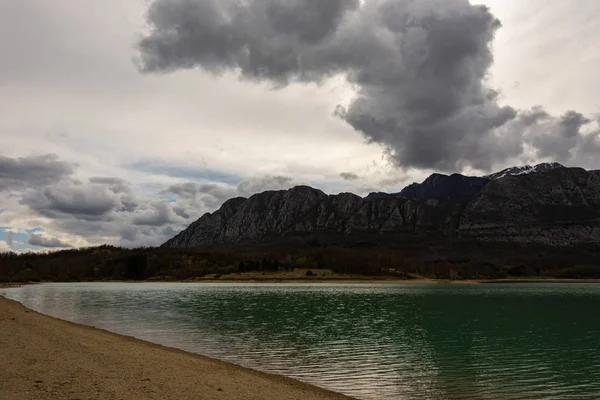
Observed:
{"x":405,"y":341}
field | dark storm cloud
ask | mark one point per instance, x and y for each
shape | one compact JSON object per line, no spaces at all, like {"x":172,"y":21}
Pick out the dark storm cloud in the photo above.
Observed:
{"x":348,"y":176}
{"x":261,"y":37}
{"x":36,"y":171}
{"x":562,"y":137}
{"x":83,"y":201}
{"x":419,"y":69}
{"x":307,"y":20}
{"x":36,"y":239}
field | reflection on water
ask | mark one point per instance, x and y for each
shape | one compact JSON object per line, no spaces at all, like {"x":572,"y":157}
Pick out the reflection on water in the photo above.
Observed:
{"x":517,"y":341}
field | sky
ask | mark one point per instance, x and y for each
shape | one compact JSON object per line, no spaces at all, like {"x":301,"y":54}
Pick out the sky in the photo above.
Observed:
{"x":123,"y":121}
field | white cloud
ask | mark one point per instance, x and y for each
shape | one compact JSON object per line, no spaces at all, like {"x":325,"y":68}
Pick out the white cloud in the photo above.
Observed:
{"x":4,"y":247}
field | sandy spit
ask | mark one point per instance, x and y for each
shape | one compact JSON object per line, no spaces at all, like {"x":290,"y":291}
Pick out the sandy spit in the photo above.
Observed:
{"x":46,"y":358}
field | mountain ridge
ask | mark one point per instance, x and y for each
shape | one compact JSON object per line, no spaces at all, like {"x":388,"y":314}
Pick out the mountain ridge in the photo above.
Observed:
{"x":560,"y":206}
{"x":524,"y":170}
{"x":414,"y":189}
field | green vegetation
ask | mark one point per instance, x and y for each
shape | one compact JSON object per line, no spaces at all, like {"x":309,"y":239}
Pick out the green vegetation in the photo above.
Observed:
{"x":402,"y":256}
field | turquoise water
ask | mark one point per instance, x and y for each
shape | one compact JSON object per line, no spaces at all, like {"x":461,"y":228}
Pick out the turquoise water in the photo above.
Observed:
{"x":411,"y":341}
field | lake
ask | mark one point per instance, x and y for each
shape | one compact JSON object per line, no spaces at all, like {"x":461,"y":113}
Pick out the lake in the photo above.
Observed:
{"x":371,"y":341}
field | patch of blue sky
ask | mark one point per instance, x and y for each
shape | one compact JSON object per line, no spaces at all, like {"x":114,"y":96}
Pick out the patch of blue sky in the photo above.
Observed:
{"x":4,"y":232}
{"x":19,"y":238}
{"x":24,"y":247}
{"x":169,"y":197}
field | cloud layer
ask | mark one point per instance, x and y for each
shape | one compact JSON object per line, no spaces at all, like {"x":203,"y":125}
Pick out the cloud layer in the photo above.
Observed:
{"x":37,"y":239}
{"x":46,"y":195}
{"x":17,"y":173}
{"x":419,"y":69}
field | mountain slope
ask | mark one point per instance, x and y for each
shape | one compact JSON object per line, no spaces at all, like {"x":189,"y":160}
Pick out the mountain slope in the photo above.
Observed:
{"x":558,"y":207}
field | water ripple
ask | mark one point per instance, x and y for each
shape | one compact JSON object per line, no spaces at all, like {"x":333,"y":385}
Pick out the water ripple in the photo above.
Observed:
{"x":410,"y":342}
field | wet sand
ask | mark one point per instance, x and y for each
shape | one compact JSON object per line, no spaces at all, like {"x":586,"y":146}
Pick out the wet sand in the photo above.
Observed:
{"x":46,"y":358}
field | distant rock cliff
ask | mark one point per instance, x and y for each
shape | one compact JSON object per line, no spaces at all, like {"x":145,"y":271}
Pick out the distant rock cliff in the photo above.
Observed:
{"x":560,"y":206}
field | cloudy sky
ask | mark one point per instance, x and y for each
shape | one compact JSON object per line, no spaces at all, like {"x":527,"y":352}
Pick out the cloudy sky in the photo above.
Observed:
{"x":122,"y":121}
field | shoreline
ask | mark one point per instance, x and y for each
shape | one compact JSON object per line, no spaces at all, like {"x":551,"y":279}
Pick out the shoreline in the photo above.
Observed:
{"x":353,"y":280}
{"x":50,"y":358}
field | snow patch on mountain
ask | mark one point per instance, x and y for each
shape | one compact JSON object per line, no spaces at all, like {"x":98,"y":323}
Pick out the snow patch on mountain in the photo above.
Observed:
{"x":524,"y":170}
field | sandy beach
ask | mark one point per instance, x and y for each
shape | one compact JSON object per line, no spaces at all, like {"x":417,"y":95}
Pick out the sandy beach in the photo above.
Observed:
{"x":47,"y":358}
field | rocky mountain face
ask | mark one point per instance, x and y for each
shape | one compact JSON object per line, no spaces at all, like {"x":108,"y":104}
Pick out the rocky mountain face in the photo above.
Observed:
{"x":557,"y":207}
{"x":560,"y":206}
{"x":303,"y":209}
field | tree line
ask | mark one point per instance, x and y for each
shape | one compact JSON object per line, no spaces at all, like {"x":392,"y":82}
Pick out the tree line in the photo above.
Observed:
{"x":398,"y":256}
